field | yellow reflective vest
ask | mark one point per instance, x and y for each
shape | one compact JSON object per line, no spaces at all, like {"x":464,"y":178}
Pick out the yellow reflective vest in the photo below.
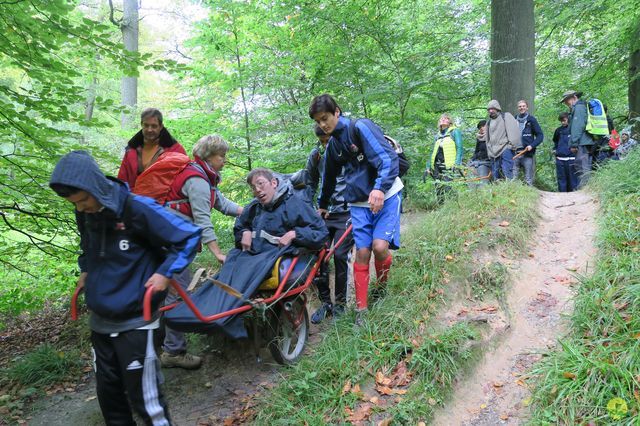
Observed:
{"x":448,"y":145}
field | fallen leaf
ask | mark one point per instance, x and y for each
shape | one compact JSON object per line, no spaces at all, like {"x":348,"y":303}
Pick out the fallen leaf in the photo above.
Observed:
{"x":385,"y":422}
{"x":568,"y":375}
{"x":504,"y":224}
{"x":362,"y":413}
{"x":498,"y":384}
{"x":91,"y":398}
{"x":504,"y":416}
{"x":346,"y":388}
{"x":208,"y":385}
{"x":531,"y":255}
{"x":384,"y":390}
{"x":375,"y":400}
{"x":432,"y":402}
{"x":448,"y":258}
{"x":483,"y":406}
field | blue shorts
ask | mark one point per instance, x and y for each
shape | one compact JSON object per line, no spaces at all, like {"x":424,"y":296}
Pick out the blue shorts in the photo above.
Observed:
{"x":384,"y":225}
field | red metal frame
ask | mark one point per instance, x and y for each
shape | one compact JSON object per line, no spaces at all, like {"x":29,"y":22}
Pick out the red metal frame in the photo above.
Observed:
{"x":276,"y":296}
{"x":323,"y":256}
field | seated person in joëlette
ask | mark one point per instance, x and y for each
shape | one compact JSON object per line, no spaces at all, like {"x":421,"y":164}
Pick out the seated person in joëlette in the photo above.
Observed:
{"x":276,"y":223}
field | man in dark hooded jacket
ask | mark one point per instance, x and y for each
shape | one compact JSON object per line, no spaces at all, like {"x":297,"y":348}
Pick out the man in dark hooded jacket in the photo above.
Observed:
{"x":276,"y":223}
{"x":128,"y":243}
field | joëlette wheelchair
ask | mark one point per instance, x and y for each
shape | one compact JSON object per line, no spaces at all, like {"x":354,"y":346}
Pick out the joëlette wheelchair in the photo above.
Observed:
{"x":275,"y":316}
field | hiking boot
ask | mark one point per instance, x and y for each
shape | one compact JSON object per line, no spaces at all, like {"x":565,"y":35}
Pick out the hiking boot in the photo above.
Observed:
{"x":361,"y":317}
{"x":338,"y":311}
{"x":185,"y":360}
{"x":323,"y":311}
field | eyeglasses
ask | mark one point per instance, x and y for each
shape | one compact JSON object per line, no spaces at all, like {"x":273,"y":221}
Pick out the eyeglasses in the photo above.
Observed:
{"x":259,"y":184}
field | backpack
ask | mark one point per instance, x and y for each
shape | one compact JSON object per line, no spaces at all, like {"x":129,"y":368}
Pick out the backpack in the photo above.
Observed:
{"x":155,"y":182}
{"x":403,"y":161}
{"x":596,"y":119}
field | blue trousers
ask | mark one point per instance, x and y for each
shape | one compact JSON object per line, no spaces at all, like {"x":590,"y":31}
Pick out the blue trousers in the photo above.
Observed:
{"x":502,"y":167}
{"x":567,"y":176}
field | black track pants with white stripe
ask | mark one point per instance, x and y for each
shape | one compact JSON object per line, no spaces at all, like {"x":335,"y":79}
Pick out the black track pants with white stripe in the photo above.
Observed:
{"x":126,"y":366}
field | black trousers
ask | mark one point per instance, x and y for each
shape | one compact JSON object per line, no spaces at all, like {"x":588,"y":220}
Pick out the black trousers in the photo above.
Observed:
{"x":126,"y":366}
{"x":337,"y":225}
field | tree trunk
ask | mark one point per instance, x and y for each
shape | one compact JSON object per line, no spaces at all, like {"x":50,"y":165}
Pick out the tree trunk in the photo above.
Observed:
{"x":512,"y":53}
{"x":129,"y":86}
{"x":634,"y":81}
{"x":245,"y":109}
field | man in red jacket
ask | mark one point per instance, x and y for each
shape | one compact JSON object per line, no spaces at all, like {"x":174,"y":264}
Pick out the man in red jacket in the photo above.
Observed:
{"x":146,"y":146}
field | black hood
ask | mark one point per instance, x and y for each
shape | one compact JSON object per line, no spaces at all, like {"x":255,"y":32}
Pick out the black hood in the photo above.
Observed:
{"x":79,"y":170}
{"x":165,"y":139}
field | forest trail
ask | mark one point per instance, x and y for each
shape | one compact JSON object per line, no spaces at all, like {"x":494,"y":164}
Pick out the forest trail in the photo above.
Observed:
{"x":561,"y":247}
{"x":230,"y":379}
{"x":223,"y":389}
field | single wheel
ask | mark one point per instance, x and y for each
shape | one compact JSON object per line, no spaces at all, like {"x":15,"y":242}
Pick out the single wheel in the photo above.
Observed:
{"x":292,"y":331}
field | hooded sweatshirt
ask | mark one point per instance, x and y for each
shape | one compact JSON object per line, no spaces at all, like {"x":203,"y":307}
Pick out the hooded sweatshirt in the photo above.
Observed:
{"x":503,"y":132}
{"x":285,"y":212}
{"x":127,"y":241}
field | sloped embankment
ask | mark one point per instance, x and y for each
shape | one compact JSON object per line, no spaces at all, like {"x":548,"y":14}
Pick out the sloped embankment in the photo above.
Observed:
{"x":401,"y":365}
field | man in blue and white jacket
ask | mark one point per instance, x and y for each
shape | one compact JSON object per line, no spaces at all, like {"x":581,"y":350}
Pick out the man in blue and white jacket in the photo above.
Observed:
{"x":373,"y":190}
{"x":128,"y":243}
{"x":532,"y":136}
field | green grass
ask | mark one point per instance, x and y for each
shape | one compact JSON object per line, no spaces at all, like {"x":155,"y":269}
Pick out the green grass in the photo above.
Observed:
{"x":437,"y":256}
{"x":600,"y":357}
{"x":45,"y":366}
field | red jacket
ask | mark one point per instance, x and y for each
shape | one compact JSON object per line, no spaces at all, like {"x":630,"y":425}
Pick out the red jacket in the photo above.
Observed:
{"x":129,"y":167}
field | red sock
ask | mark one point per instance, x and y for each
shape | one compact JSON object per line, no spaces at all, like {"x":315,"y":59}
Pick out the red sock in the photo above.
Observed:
{"x":361,"y":281}
{"x":382,"y":269}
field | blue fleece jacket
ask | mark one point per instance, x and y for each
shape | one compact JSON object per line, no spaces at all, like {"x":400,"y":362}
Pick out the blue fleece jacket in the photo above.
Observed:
{"x":562,"y":142}
{"x":369,"y":162}
{"x":125,"y":243}
{"x":531,"y":134}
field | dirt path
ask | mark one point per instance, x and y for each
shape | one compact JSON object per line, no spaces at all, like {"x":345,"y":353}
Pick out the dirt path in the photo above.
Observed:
{"x":561,"y":247}
{"x":223,"y":389}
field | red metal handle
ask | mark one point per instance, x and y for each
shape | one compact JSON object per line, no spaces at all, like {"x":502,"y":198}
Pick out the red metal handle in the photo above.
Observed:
{"x":146,"y":309}
{"x":337,"y":244}
{"x":74,"y":302}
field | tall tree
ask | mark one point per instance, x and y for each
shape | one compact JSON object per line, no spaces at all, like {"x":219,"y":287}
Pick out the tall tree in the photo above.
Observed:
{"x":129,"y":85}
{"x":512,"y":53}
{"x":634,"y":78}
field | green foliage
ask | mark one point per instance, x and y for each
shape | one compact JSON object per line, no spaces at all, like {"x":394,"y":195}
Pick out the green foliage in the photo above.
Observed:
{"x":598,"y":359}
{"x":44,"y":366}
{"x":402,"y":325}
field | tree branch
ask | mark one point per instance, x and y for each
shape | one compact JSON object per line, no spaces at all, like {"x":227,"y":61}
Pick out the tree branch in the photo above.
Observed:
{"x":111,"y":17}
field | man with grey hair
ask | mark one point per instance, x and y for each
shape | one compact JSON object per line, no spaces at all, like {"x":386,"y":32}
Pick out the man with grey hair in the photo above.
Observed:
{"x":503,"y":137}
{"x":145,"y":147}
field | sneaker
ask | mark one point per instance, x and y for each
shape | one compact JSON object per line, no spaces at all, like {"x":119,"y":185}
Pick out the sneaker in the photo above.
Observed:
{"x":324,"y":311}
{"x":360,"y":318}
{"x":185,"y":360}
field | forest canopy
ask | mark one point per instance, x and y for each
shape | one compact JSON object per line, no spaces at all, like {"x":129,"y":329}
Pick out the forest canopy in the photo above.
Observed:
{"x":247,"y":70}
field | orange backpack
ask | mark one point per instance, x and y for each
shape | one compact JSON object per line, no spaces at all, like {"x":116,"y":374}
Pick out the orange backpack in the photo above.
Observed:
{"x":155,"y":182}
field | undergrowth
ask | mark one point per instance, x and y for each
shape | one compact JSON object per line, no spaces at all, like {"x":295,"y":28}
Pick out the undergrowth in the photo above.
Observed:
{"x":594,"y":376}
{"x":402,"y":327}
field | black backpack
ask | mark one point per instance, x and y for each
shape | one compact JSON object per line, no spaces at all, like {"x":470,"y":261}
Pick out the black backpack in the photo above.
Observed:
{"x":403,"y":161}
